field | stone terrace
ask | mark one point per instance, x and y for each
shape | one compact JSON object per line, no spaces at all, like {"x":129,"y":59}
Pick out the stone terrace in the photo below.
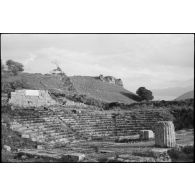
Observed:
{"x":59,"y":125}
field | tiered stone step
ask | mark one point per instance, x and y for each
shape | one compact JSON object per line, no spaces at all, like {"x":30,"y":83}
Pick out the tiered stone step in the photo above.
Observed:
{"x":109,"y":124}
{"x":62,"y":124}
{"x":41,"y":126}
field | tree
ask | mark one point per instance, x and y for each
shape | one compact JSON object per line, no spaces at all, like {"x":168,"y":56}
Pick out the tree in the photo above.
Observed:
{"x":14,"y":67}
{"x":144,"y":94}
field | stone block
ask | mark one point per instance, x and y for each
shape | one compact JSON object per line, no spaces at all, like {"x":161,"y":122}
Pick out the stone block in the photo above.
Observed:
{"x":20,"y":98}
{"x":40,"y":147}
{"x":73,"y":157}
{"x":146,"y":134}
{"x":34,"y":139}
{"x":25,"y":136}
{"x":8,"y":148}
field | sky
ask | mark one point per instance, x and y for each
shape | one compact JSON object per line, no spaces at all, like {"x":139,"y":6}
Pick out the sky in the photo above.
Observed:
{"x":155,"y":61}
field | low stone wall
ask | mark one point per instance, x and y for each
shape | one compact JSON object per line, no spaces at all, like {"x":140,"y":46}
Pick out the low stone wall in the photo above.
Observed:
{"x":31,"y":98}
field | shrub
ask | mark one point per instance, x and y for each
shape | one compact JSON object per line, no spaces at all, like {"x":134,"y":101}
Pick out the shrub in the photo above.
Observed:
{"x":14,"y":67}
{"x":183,"y":117}
{"x":165,"y":116}
{"x":182,"y":154}
{"x":144,"y":94}
{"x":188,"y":149}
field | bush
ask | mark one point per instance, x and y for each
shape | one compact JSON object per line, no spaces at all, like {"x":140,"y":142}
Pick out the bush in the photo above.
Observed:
{"x":165,"y":116}
{"x":182,"y":154}
{"x":10,"y":86}
{"x":188,"y":149}
{"x":183,"y":117}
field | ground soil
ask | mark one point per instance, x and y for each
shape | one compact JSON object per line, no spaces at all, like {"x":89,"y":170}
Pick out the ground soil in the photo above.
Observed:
{"x":109,"y":151}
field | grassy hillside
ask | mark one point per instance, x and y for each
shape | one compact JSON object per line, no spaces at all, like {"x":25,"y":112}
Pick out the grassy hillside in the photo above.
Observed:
{"x":90,"y":88}
{"x":36,"y":81}
{"x":103,"y":91}
{"x":188,"y":95}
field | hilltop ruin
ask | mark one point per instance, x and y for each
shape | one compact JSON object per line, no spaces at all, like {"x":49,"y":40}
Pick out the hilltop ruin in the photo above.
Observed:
{"x":111,"y":79}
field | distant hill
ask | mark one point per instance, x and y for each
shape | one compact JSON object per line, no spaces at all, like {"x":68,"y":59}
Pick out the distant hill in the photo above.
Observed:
{"x":97,"y":89}
{"x":188,"y":95}
{"x":170,"y":93}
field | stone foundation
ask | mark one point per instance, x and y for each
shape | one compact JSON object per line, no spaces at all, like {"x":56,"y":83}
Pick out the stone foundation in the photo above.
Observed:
{"x":31,"y":98}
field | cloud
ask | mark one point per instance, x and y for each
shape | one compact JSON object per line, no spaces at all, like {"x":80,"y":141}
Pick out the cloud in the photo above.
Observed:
{"x":153,"y":61}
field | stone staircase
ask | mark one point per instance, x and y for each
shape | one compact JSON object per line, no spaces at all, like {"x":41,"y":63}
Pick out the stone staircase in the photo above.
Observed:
{"x":106,"y":124}
{"x":61,"y":125}
{"x":41,"y":126}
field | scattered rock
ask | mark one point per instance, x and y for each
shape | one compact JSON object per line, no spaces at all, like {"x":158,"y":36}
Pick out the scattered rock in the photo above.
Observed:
{"x":25,"y":136}
{"x":34,"y":139}
{"x":8,"y":148}
{"x":23,"y":157}
{"x":40,"y":147}
{"x":106,"y":151}
{"x":74,"y":157}
{"x":125,"y":139}
{"x":111,"y":79}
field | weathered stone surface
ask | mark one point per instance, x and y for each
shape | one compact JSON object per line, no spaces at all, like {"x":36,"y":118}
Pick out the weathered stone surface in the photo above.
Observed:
{"x":40,"y":147}
{"x":8,"y":148}
{"x":25,"y":136}
{"x":53,"y":155}
{"x":73,"y":157}
{"x":106,"y":151}
{"x":128,"y":138}
{"x":165,"y":134}
{"x":146,"y":134}
{"x":31,"y":98}
{"x":111,"y":79}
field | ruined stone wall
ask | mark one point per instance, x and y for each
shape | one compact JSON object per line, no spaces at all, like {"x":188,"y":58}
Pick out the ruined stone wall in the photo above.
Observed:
{"x":31,"y":98}
{"x":111,"y":79}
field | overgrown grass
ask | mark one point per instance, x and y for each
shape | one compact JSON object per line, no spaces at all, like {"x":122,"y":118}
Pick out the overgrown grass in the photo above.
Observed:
{"x":182,"y":154}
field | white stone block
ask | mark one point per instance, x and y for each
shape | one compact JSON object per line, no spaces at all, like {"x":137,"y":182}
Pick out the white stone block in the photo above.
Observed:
{"x":32,"y":92}
{"x":40,"y":147}
{"x":146,"y":134}
{"x":25,"y":136}
{"x":8,"y":148}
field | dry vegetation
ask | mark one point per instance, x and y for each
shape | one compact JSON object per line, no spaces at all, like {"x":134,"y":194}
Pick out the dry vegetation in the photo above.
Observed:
{"x":105,"y":96}
{"x":102,"y":91}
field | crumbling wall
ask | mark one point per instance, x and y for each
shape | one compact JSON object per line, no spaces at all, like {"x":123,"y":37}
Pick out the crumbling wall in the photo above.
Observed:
{"x":111,"y":79}
{"x":31,"y":98}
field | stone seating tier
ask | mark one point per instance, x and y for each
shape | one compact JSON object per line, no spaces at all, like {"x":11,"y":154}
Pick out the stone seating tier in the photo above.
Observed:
{"x":60,"y":125}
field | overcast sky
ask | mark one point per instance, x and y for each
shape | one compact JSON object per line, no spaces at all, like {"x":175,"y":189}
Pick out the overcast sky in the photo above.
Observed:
{"x":153,"y":61}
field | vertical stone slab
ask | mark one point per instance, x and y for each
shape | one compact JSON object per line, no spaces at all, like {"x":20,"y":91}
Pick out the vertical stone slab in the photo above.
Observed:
{"x":165,"y":134}
{"x":31,"y":98}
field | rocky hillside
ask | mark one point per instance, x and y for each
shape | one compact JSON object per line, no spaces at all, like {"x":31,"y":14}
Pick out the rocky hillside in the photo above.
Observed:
{"x":110,"y":79}
{"x":188,"y":95}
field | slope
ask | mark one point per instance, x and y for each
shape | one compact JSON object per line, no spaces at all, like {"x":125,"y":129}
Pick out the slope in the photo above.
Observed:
{"x":103,"y":91}
{"x":171,"y":92}
{"x":185,"y":96}
{"x":80,"y":85}
{"x":37,"y":81}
